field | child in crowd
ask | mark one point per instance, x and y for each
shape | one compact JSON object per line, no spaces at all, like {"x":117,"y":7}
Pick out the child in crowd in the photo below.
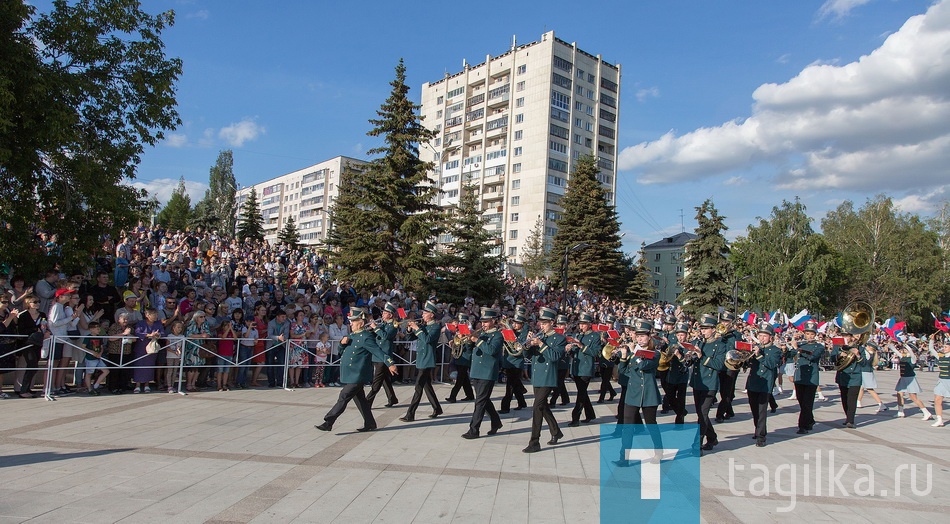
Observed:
{"x":93,"y":359}
{"x":322,"y":349}
{"x":226,"y":352}
{"x":173,"y":353}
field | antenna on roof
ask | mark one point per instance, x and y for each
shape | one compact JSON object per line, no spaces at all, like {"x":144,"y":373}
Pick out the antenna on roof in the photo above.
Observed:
{"x":682,"y":224}
{"x":514,"y":42}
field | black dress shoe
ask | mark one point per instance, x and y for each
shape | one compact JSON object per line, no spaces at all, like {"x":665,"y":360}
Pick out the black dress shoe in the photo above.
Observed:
{"x":563,"y":404}
{"x":407,"y":418}
{"x":450,"y":400}
{"x":573,"y":424}
{"x":555,"y":438}
{"x":728,"y":416}
{"x":364,"y":429}
{"x":326,"y":426}
{"x":523,"y":406}
{"x":435,"y":415}
{"x":391,"y":404}
{"x":720,"y":420}
{"x":802,"y":431}
{"x":494,"y":429}
{"x":468,"y":399}
{"x":600,"y":401}
{"x":532,"y":448}
{"x":504,"y":411}
{"x":760,"y":443}
{"x":707,"y":447}
{"x":664,"y":411}
{"x":588,"y":420}
{"x":773,"y":410}
{"x":469,"y":435}
{"x":850,"y":425}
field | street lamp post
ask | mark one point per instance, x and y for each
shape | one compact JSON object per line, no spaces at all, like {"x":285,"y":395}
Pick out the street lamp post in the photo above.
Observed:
{"x":567,"y":252}
{"x":735,"y":292}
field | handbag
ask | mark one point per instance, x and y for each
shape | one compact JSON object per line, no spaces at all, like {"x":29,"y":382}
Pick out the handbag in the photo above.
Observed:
{"x":153,"y":347}
{"x":204,"y":351}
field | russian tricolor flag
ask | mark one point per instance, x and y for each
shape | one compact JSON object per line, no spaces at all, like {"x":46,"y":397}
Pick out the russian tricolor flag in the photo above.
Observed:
{"x":893,"y":328}
{"x":749,"y":318}
{"x":799,"y":320}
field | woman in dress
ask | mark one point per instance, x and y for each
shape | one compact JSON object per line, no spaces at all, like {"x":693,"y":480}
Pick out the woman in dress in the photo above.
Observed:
{"x":148,"y":329}
{"x":198,"y":330}
{"x":908,"y":382}
{"x":299,"y":333}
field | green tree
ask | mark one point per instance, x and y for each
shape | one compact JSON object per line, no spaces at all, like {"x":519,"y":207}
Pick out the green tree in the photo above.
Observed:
{"x":289,"y":235}
{"x":588,"y":218}
{"x":708,"y":281}
{"x":204,"y":215}
{"x":177,"y":212}
{"x":252,"y":223}
{"x":892,"y":260}
{"x":790,"y":265}
{"x":83,"y":89}
{"x":535,"y":255}
{"x":222,"y":192}
{"x":385,"y":220}
{"x":640,"y":287}
{"x":468,"y":268}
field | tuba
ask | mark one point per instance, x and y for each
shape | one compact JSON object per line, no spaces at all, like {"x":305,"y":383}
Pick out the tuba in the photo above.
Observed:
{"x":736,"y":359}
{"x":858,"y":319}
{"x":456,"y":345}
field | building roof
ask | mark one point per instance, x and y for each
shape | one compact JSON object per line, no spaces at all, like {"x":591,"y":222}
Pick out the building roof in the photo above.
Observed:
{"x":677,"y":240}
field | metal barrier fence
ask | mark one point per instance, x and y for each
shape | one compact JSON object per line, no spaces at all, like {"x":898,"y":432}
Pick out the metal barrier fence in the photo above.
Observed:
{"x":15,"y":345}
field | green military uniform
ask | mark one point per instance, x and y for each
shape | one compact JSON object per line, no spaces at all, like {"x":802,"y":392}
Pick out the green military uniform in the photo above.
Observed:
{"x":356,"y":357}
{"x":641,"y":385}
{"x":584,"y":359}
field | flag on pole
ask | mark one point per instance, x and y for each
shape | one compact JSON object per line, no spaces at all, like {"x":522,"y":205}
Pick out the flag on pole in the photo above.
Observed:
{"x":799,"y":320}
{"x":748,"y":317}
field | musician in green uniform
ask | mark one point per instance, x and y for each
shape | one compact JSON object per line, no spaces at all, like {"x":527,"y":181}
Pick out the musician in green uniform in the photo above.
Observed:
{"x":727,"y":377}
{"x":763,"y":368}
{"x":486,"y":354}
{"x":463,"y":363}
{"x":563,"y":366}
{"x":606,"y":367}
{"x":356,"y":353}
{"x":426,"y":337}
{"x":669,"y":337}
{"x":848,"y":377}
{"x":807,"y":357}
{"x":544,"y":351}
{"x":677,"y":378}
{"x":513,"y":365}
{"x":638,"y":361}
{"x":386,"y":332}
{"x":705,"y":377}
{"x":583,"y":352}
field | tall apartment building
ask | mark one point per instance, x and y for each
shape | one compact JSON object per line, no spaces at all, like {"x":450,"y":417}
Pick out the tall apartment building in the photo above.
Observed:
{"x":514,"y":125}
{"x":305,"y":194}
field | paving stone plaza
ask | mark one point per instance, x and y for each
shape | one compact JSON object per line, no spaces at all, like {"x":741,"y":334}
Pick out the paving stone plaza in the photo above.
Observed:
{"x":254,"y":456}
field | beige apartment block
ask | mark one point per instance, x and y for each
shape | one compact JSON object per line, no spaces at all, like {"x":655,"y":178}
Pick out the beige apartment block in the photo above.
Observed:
{"x":306,"y":194}
{"x":513,"y":126}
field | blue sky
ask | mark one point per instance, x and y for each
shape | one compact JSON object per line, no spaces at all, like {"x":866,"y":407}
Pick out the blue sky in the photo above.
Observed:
{"x":745,"y":102}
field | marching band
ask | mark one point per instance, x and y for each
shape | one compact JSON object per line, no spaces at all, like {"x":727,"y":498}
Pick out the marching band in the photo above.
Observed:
{"x":654,"y":367}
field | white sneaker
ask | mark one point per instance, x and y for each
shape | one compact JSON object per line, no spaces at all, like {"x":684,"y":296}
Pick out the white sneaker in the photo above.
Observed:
{"x":928,"y":415}
{"x":938,"y":423}
{"x":793,"y":397}
{"x":900,"y":414}
{"x":882,"y":407}
{"x":859,"y":404}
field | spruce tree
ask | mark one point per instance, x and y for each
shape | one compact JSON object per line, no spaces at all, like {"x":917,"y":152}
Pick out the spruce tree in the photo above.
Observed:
{"x":203,"y":215}
{"x":589,"y":219}
{"x":468,"y":268}
{"x":639,"y":288}
{"x":535,"y":256}
{"x":222,"y":192}
{"x":708,"y":281}
{"x":177,"y":212}
{"x":385,"y":221}
{"x":289,"y":235}
{"x":252,"y":223}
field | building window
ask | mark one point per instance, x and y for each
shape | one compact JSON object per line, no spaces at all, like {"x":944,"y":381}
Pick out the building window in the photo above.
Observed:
{"x":513,"y":234}
{"x":555,"y":181}
{"x":608,"y":85}
{"x":518,"y":134}
{"x":512,"y":251}
{"x":519,"y":118}
{"x":558,"y":114}
{"x":516,"y":168}
{"x":560,"y":132}
{"x":519,"y":102}
{"x":560,"y":100}
{"x":522,"y":69}
{"x":578,"y":106}
{"x":550,"y":231}
{"x":562,"y":64}
{"x":656,"y":257}
{"x":452,"y":194}
{"x":561,"y":81}
{"x":515,"y":200}
{"x":440,"y":100}
{"x":518,"y":151}
{"x":558,"y":147}
{"x":656,"y":283}
{"x":580,"y":74}
{"x":557,"y":165}
{"x":516,"y":183}
{"x":579,"y":90}
{"x":455,"y":92}
{"x":519,"y":86}
{"x":656,"y":269}
{"x":438,"y":114}
{"x":514,"y":217}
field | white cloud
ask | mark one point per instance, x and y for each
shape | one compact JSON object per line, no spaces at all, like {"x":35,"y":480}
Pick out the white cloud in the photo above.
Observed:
{"x":201,"y":14}
{"x":176,"y":140}
{"x":881,"y":122}
{"x":162,"y":188}
{"x":238,"y":133}
{"x":784,"y":58}
{"x":652,"y":92}
{"x":839,"y":8}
